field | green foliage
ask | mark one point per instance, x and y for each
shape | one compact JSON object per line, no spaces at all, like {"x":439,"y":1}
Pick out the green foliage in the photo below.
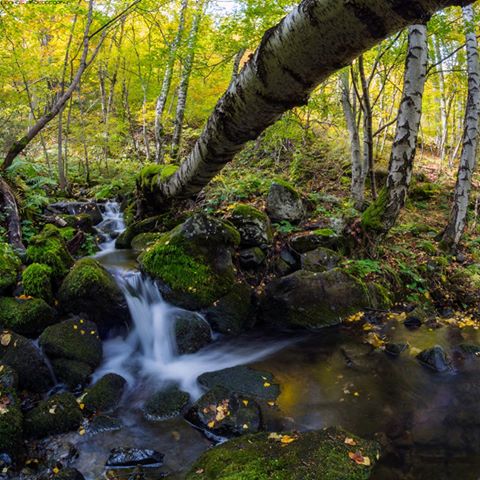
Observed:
{"x":363,"y":268}
{"x":9,"y":265}
{"x":37,"y":281}
{"x":285,"y":227}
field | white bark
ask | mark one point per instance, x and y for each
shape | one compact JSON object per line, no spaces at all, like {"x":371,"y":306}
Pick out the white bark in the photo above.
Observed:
{"x":443,"y":136}
{"x":458,"y":215}
{"x":316,"y":39}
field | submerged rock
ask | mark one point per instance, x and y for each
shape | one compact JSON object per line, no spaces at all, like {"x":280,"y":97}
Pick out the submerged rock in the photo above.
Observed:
{"x":131,"y":457}
{"x":165,"y":404}
{"x":435,"y":359}
{"x":105,"y":395}
{"x":254,"y":226}
{"x":59,"y":414}
{"x":102,"y":424}
{"x":223,"y":413}
{"x":192,"y":332}
{"x":284,"y":203}
{"x":321,"y":455}
{"x":395,"y":349}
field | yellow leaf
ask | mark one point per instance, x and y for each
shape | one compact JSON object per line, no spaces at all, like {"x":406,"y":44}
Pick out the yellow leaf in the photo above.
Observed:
{"x":350,"y":441}
{"x":52,"y":410}
{"x":286,"y":439}
{"x":211,"y":424}
{"x":245,"y":402}
{"x":82,"y":406}
{"x":266,"y":384}
{"x":81,"y":431}
{"x":5,"y":339}
{"x":55,"y":470}
{"x":271,"y":404}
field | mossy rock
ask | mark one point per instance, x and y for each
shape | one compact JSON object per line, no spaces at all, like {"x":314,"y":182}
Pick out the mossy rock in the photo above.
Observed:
{"x":151,"y":175}
{"x":144,"y":240}
{"x":37,"y":281}
{"x":27,"y":317}
{"x":11,"y":421}
{"x":90,"y":289}
{"x":105,"y":395}
{"x":71,"y":372}
{"x":82,"y":221}
{"x":193,"y":261}
{"x":9,"y":265}
{"x":284,"y":203}
{"x":233,"y":313}
{"x":59,"y":414}
{"x":320,"y":260}
{"x":26,"y":359}
{"x":74,"y":339}
{"x":8,"y":377}
{"x":314,"y":455}
{"x":322,"y":237}
{"x":165,"y":404}
{"x":192,"y":332}
{"x":48,"y":247}
{"x":253,"y":225}
{"x":77,"y":208}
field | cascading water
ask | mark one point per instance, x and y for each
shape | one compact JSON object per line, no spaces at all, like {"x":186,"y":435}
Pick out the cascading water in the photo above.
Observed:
{"x":111,"y":226}
{"x":149,"y":352}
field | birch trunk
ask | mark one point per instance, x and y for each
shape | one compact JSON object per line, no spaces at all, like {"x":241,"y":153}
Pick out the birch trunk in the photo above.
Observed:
{"x":185,"y":79}
{"x":442,"y":146}
{"x":316,"y":39}
{"x":383,"y":213}
{"x":358,"y":179}
{"x":167,"y":81}
{"x":458,"y":215}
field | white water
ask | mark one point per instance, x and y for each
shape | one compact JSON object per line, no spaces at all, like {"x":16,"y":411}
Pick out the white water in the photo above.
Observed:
{"x":148,"y":353}
{"x":112,"y":225}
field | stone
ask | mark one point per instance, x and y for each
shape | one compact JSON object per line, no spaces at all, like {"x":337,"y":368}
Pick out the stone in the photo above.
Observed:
{"x":435,"y":359}
{"x":11,"y":421}
{"x":192,"y":332}
{"x":165,"y":404}
{"x":253,"y":225}
{"x":72,"y":373}
{"x":306,"y":242}
{"x":284,"y":203}
{"x":105,"y":395}
{"x":395,"y":349}
{"x":77,"y":208}
{"x":252,"y":258}
{"x":131,"y":457}
{"x":320,"y":260}
{"x":412,"y":322}
{"x":104,"y":423}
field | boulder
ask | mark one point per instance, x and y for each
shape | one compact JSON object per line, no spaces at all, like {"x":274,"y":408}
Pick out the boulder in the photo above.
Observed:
{"x":253,"y":225}
{"x":72,"y":373}
{"x":289,"y":456}
{"x":193,"y":262}
{"x":9,"y":266}
{"x":131,"y":457}
{"x":27,"y":317}
{"x":320,"y":260}
{"x":59,"y":414}
{"x":306,"y":242}
{"x":11,"y":421}
{"x":435,"y":359}
{"x":234,"y":312}
{"x":105,"y":395}
{"x":284,"y":203}
{"x":91,"y":290}
{"x":77,"y":208}
{"x":315,"y":300}
{"x":144,"y":240}
{"x":37,"y":281}
{"x":102,"y":424}
{"x":192,"y":332}
{"x":225,"y":414}
{"x":27,"y":360}
{"x":82,"y":222}
{"x":252,"y":258}
{"x":165,"y":404}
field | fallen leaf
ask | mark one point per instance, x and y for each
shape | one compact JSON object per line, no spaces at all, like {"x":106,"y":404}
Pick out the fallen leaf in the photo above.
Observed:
{"x":211,"y":424}
{"x":5,"y":339}
{"x":52,"y":409}
{"x":81,"y":431}
{"x":199,"y":471}
{"x":286,"y":439}
{"x":350,"y":441}
{"x":359,"y":459}
{"x":266,"y":384}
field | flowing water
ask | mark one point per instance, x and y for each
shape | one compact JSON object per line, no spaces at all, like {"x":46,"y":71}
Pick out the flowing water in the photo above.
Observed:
{"x":429,"y":423}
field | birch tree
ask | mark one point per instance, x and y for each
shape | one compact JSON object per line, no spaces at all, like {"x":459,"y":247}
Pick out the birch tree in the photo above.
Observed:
{"x":458,"y":215}
{"x":383,"y":213}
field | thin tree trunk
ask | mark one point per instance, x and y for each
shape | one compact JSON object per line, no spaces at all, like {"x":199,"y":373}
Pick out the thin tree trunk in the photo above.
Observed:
{"x":167,"y":81}
{"x":316,"y":39}
{"x":10,"y":209}
{"x":185,"y":78}
{"x":62,"y":181}
{"x":458,"y":216}
{"x":383,"y":213}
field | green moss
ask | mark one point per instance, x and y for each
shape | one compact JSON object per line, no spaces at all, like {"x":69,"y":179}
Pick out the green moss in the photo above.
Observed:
{"x":247,"y":211}
{"x":27,"y":317}
{"x":153,"y":174}
{"x":143,"y":240}
{"x":105,"y":395}
{"x":288,"y":186}
{"x":165,"y":404}
{"x":324,"y":232}
{"x":372,"y":216}
{"x":424,"y":191}
{"x":37,"y":281}
{"x":311,"y":456}
{"x":9,"y":265}
{"x":48,"y":247}
{"x":11,"y":421}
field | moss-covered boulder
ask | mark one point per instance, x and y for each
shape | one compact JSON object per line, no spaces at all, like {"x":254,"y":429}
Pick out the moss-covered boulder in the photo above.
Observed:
{"x":253,"y":225}
{"x":27,"y":360}
{"x":59,"y":414}
{"x":315,"y":300}
{"x":105,"y":395}
{"x":233,"y":313}
{"x":82,"y":221}
{"x":224,"y":413}
{"x":193,"y":262}
{"x":9,"y":265}
{"x":11,"y":421}
{"x":91,"y":290}
{"x":77,"y":208}
{"x":314,"y":455}
{"x":165,"y":404}
{"x":322,"y":237}
{"x":144,"y":240}
{"x":320,"y":260}
{"x":37,"y":281}
{"x":74,"y":348}
{"x":27,"y":317}
{"x":48,"y":247}
{"x":192,"y":332}
{"x":284,"y":203}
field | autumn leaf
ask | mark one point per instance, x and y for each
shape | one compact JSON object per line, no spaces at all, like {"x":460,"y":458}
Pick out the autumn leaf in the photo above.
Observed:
{"x":286,"y":439}
{"x":350,"y":441}
{"x":5,"y":339}
{"x":359,"y":459}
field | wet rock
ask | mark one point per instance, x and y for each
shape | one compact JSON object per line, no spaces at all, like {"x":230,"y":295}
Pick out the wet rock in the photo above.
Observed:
{"x":286,"y":263}
{"x":89,"y":289}
{"x":192,"y":332}
{"x":225,"y":414}
{"x":165,"y":404}
{"x":395,"y":349}
{"x":315,"y":300}
{"x":320,"y":260}
{"x":77,"y":208}
{"x":253,"y":225}
{"x":435,"y":359}
{"x":252,"y":258}
{"x":27,"y":360}
{"x":105,"y":395}
{"x":412,"y":322}
{"x":11,"y":422}
{"x":233,"y":313}
{"x":59,"y":414}
{"x":284,"y":203}
{"x":9,"y":266}
{"x":27,"y":317}
{"x":469,"y":349}
{"x":75,"y":349}
{"x":131,"y":457}
{"x":144,"y":240}
{"x":306,"y":242}
{"x":69,"y":474}
{"x":82,"y":222}
{"x":243,"y":380}
{"x":310,"y":455}
{"x":104,"y":423}
{"x":8,"y":377}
